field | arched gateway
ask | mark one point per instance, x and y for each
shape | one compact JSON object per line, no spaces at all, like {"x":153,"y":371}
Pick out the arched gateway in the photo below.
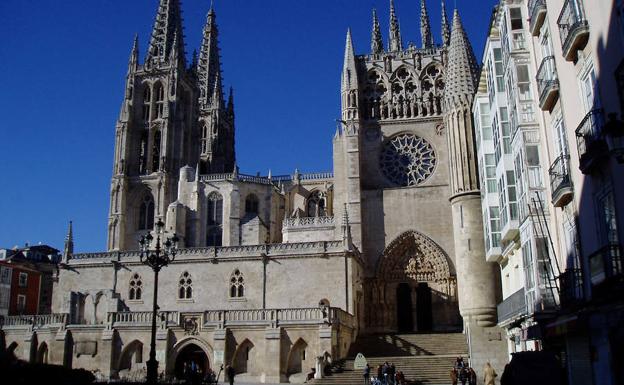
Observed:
{"x":187,"y":351}
{"x":415,"y":289}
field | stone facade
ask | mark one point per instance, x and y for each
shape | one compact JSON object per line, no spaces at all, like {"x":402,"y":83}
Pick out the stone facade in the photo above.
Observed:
{"x":278,"y":274}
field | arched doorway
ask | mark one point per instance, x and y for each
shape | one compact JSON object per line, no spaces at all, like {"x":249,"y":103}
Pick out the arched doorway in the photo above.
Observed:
{"x":415,"y":288}
{"x":189,"y":355}
{"x":42,"y":354}
{"x":405,"y":319}
{"x":131,"y":356}
{"x":424,"y":311}
{"x":242,"y":357}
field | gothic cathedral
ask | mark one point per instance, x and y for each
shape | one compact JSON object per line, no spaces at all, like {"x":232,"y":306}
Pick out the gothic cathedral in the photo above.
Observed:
{"x":280,"y":273}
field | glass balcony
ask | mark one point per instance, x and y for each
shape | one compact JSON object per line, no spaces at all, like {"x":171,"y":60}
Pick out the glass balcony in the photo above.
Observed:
{"x":537,"y":13}
{"x":513,"y":307}
{"x":560,"y":181}
{"x":573,"y":29}
{"x":548,"y":84}
{"x":571,"y":287}
{"x":590,"y":142}
{"x":606,"y":264}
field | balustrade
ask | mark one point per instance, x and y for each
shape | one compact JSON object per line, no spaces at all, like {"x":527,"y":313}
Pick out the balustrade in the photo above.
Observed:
{"x":537,"y":14}
{"x":589,"y":141}
{"x":573,"y":29}
{"x":308,"y":222}
{"x":548,"y":83}
{"x":560,"y":181}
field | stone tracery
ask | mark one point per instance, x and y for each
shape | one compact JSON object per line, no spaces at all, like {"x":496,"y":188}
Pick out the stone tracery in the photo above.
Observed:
{"x":405,"y":94}
{"x":408,"y":160}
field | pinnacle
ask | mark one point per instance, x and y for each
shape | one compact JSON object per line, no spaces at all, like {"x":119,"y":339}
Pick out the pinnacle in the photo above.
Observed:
{"x":462,"y":65}
{"x":395,"y":43}
{"x":376,"y":39}
{"x":425,"y":26}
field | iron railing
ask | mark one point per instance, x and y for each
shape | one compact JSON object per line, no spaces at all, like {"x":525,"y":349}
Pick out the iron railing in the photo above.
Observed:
{"x":571,"y":284}
{"x":606,"y":263}
{"x":535,"y":7}
{"x":547,"y":79}
{"x":589,"y":141}
{"x":560,"y":175}
{"x":571,"y":23}
{"x":513,"y":306}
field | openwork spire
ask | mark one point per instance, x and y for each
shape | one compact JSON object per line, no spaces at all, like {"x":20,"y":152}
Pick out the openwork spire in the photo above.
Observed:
{"x":134,"y":55}
{"x":68,"y":249}
{"x":446,"y":29}
{"x":395,"y":43}
{"x":349,"y":71}
{"x":168,"y":23}
{"x":462,"y":68}
{"x":425,"y":26}
{"x":376,"y":39}
{"x":209,"y":59}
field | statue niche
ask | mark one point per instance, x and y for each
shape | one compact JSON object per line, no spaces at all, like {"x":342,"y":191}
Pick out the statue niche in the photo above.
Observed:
{"x":415,"y":288}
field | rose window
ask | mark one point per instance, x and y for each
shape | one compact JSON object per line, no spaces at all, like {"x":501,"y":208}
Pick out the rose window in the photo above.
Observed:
{"x":407,"y":160}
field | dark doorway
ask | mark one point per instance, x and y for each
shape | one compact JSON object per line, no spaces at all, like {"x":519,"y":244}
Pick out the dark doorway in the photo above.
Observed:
{"x":189,"y":354}
{"x":405,"y":320}
{"x":424,"y":312}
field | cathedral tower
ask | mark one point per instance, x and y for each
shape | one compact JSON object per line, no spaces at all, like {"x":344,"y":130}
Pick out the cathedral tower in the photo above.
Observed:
{"x":476,"y":278}
{"x":172,"y":115}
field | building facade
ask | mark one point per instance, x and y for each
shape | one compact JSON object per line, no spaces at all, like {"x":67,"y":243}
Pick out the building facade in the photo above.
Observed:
{"x":390,"y":241}
{"x":573,"y":53}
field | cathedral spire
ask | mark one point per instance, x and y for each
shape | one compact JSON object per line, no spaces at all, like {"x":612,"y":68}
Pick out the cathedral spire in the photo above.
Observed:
{"x":376,"y":39}
{"x":446,"y":30}
{"x":168,"y":23}
{"x":209,"y":60}
{"x":217,"y":93}
{"x":425,"y":26}
{"x":349,"y":79}
{"x":68,"y":249}
{"x":462,"y":70}
{"x":134,"y":55}
{"x":395,"y":43}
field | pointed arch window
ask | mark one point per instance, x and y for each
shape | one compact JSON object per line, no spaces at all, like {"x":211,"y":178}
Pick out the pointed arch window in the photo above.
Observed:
{"x":316,"y":206}
{"x":251,"y":204}
{"x":214,"y":224}
{"x":135,"y":292}
{"x":147,"y":101}
{"x":237,"y":285}
{"x":185,"y":287}
{"x":159,"y":93}
{"x":146,"y":213}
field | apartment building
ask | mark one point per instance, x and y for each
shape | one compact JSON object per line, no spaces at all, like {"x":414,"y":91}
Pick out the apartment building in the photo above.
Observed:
{"x":556,"y":69}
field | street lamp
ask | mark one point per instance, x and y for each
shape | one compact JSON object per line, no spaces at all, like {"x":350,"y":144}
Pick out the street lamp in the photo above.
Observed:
{"x":157,"y":257}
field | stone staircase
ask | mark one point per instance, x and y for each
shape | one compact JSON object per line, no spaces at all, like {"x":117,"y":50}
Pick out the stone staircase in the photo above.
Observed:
{"x":424,"y":358}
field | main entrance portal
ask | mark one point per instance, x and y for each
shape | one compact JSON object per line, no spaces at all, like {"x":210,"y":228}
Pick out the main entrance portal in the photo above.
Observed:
{"x":405,"y":319}
{"x":415,"y":288}
{"x":191,"y":355}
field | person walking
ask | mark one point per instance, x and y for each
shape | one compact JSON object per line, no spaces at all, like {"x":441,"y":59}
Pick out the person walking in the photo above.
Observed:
{"x":472,"y":376}
{"x":367,"y":375}
{"x":463,"y":376}
{"x":229,"y":370}
{"x":489,"y":374}
{"x":453,"y":376}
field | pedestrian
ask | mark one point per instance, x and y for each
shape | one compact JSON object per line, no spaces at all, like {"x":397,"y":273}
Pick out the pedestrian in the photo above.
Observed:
{"x":229,"y":370}
{"x":489,"y":374}
{"x":384,"y":371}
{"x":472,"y":376}
{"x":463,"y":376}
{"x":367,"y":375}
{"x":400,"y":377}
{"x":453,"y":376}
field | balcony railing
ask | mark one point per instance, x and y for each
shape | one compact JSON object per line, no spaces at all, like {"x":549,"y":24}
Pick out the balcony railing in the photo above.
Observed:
{"x":571,"y":284}
{"x":560,"y":181}
{"x":36,"y":321}
{"x":537,"y":12}
{"x":308,"y":222}
{"x":573,"y":29}
{"x":512,"y":307}
{"x":606,"y":263}
{"x":589,"y":141}
{"x":548,"y":83}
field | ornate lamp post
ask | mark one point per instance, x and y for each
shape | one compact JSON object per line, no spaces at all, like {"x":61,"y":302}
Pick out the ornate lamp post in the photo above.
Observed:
{"x":157,"y":257}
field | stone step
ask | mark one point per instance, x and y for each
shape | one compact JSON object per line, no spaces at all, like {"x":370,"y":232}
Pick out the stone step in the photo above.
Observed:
{"x":423,"y":358}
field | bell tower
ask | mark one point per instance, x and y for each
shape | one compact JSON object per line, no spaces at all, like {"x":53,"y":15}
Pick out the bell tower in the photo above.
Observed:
{"x":173,"y":115}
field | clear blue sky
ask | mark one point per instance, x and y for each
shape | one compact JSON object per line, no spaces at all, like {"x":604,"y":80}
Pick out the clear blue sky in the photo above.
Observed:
{"x":62,"y":69}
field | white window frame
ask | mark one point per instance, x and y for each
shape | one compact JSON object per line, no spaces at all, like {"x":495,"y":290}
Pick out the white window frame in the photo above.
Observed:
{"x":21,"y":302}
{"x":22,"y":280}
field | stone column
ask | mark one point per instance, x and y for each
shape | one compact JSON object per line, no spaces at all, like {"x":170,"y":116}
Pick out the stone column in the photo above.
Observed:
{"x":108,"y":353}
{"x":220,"y":347}
{"x":272,"y":369}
